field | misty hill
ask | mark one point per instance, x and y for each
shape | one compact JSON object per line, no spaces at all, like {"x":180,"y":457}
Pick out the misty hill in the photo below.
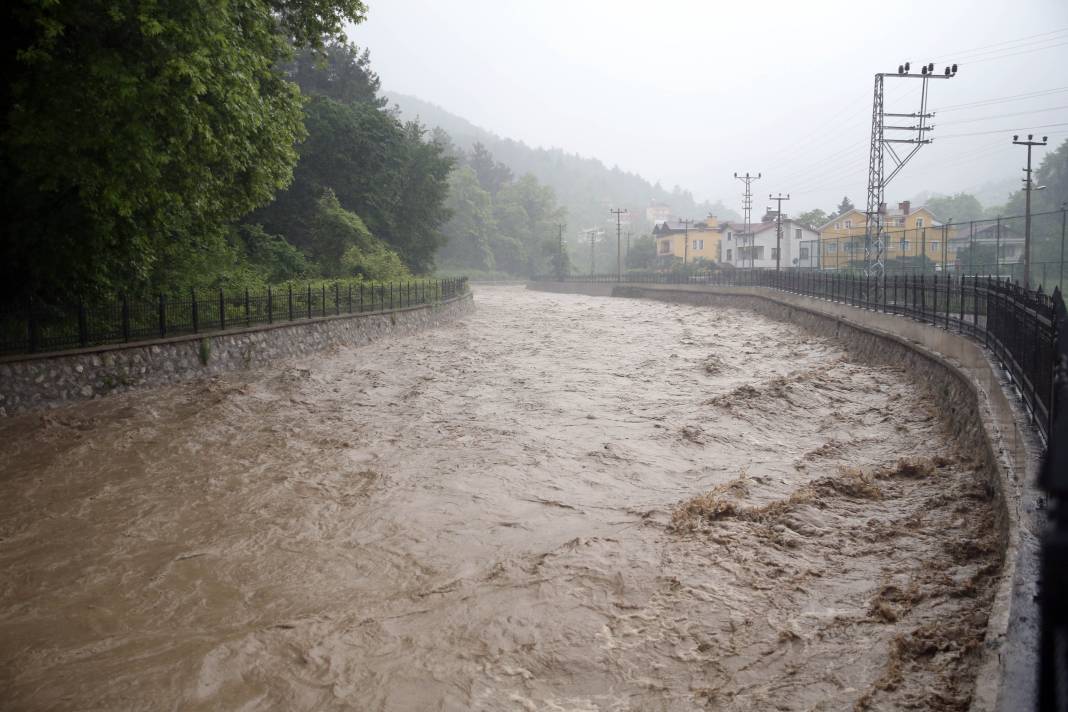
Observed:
{"x":585,"y":186}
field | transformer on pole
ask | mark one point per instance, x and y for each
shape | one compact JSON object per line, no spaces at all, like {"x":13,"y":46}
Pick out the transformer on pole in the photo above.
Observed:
{"x":874,"y":253}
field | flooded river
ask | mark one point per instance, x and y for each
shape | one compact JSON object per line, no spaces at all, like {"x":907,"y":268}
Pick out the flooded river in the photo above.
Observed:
{"x":557,"y":503}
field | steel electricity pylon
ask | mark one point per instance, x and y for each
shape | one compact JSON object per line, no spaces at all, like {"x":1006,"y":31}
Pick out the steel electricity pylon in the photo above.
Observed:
{"x":880,"y":145}
{"x":747,"y":207}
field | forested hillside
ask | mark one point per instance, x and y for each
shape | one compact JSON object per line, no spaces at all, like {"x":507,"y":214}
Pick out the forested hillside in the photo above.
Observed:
{"x":586,"y":187}
{"x":177,"y":146}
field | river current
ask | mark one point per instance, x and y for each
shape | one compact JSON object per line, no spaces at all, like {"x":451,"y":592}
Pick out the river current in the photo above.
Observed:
{"x":558,"y":502}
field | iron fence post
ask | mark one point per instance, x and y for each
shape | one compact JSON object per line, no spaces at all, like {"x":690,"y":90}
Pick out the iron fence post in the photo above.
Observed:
{"x":193,"y":309}
{"x":162,"y":316}
{"x":125,"y":318}
{"x":31,"y":324}
{"x":222,"y":310}
{"x":270,"y":306}
{"x":83,"y":326}
{"x":308,"y":304}
{"x":248,"y":311}
{"x":290,"y":302}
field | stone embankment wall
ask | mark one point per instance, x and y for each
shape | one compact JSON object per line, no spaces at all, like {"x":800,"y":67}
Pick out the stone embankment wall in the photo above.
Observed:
{"x":979,"y":407}
{"x":28,"y":382}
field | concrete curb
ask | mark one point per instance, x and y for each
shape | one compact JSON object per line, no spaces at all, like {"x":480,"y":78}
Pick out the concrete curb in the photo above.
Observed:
{"x":984,"y":415}
{"x":52,"y":379}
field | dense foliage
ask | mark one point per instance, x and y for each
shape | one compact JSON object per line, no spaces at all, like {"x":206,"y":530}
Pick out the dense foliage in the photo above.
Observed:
{"x":135,"y":134}
{"x":501,"y":224}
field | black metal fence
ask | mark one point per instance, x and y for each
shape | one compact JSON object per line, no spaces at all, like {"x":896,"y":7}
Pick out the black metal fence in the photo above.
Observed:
{"x":992,"y":247}
{"x":1027,"y":331}
{"x":1016,"y":324}
{"x":38,"y":327}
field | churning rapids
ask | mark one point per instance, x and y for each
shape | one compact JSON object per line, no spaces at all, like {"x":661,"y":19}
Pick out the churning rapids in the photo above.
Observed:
{"x":559,"y":502}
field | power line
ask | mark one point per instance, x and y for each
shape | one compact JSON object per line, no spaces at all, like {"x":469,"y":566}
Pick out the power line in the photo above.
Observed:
{"x":1003,"y":99}
{"x":1003,"y":116}
{"x":1005,"y":130}
{"x":988,"y":47}
{"x":1013,"y":54}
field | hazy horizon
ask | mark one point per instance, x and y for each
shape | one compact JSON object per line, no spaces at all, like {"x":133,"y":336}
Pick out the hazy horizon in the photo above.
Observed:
{"x":663,"y":93}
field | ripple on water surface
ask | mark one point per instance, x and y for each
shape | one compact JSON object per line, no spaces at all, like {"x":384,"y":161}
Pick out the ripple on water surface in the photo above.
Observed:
{"x":559,"y":502}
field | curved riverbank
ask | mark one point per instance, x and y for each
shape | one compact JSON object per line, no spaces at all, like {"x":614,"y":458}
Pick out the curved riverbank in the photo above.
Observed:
{"x":556,"y":501}
{"x":977,"y":404}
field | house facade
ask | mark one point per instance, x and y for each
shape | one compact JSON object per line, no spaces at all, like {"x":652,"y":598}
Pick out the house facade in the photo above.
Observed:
{"x":909,"y":234}
{"x":799,"y":245}
{"x":674,"y":239}
{"x":988,"y":238}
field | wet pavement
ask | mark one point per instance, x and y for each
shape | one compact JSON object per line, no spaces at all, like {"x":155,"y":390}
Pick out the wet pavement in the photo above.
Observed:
{"x":559,"y":502}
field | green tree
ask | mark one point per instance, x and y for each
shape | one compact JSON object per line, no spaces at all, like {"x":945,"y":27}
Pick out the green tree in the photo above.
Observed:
{"x":471,"y":225}
{"x":813,"y":218}
{"x":133,"y":133}
{"x":961,"y":207}
{"x":843,"y":207}
{"x":642,"y":253}
{"x":377,"y":168}
{"x":492,"y":174}
{"x":526,"y":211}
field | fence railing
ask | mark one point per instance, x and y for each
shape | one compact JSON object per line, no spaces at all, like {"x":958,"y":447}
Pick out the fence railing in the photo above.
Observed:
{"x":1017,"y":325}
{"x":994,"y":246}
{"x":1028,"y":333}
{"x":38,"y":327}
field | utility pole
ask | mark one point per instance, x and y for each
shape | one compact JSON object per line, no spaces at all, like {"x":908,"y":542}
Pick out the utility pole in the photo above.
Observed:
{"x":593,"y":254}
{"x":1028,"y":187}
{"x":619,"y":213}
{"x":560,"y":246}
{"x":685,"y":239}
{"x":747,"y":207}
{"x":778,"y":228}
{"x":877,"y":180}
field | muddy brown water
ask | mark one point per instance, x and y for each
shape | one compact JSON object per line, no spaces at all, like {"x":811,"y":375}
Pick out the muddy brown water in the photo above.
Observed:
{"x":558,"y":503}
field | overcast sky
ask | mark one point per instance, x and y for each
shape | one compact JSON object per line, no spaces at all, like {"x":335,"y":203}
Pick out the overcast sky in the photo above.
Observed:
{"x":688,"y":93}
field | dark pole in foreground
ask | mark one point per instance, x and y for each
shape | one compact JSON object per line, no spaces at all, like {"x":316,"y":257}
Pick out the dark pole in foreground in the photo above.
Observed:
{"x":778,"y":229}
{"x":619,"y":213}
{"x":1028,"y":187}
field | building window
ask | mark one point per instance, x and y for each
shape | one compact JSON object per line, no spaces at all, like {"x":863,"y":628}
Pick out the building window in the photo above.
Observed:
{"x":729,"y":234}
{"x":759,"y":250}
{"x":919,"y":223}
{"x":728,"y":254}
{"x":665,"y":247}
{"x":848,"y":224}
{"x":804,"y":253}
{"x":797,"y":234}
{"x":698,"y":244}
{"x":904,"y":245}
{"x":901,"y":222}
{"x":838,"y":226}
{"x":775,"y":253}
{"x":934,"y":245}
{"x":832,"y":248}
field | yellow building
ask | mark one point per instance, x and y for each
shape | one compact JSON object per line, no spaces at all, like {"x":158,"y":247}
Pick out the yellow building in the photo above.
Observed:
{"x":689,"y":243}
{"x":908,"y":234}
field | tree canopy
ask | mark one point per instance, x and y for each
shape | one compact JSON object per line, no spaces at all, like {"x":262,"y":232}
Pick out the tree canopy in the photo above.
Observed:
{"x":136,"y":133}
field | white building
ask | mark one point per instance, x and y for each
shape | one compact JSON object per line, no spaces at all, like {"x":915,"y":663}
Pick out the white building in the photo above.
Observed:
{"x":799,"y":245}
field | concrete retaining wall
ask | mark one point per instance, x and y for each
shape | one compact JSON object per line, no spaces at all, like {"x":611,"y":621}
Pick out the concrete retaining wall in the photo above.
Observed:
{"x":980,"y":408}
{"x":28,"y":382}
